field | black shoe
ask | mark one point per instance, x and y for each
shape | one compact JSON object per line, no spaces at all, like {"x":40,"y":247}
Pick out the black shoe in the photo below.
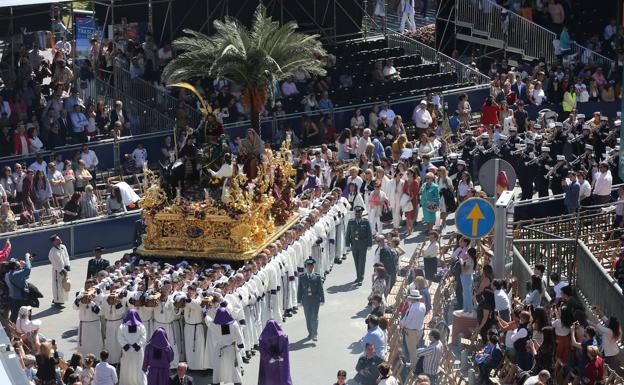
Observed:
{"x":288,"y":314}
{"x":248,"y":354}
{"x":246,"y":360}
{"x":253,"y":352}
{"x":315,"y":338}
{"x":356,"y":281}
{"x":359,"y":284}
{"x":58,"y":305}
{"x":256,"y":347}
{"x":338,"y":261}
{"x":309,"y":337}
{"x":344,"y":257}
{"x":294,"y":310}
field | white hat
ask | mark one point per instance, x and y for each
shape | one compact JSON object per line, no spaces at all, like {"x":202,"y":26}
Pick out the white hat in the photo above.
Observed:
{"x":538,"y":137}
{"x":468,"y":132}
{"x":558,"y":124}
{"x":502,"y":137}
{"x":618,"y":114}
{"x":537,"y":125}
{"x":580,"y":116}
{"x":551,"y":125}
{"x":545,"y":149}
{"x":560,"y":157}
{"x":617,"y":148}
{"x":529,"y":141}
{"x":617,"y":123}
{"x":423,"y":102}
{"x":462,"y":162}
{"x":453,"y":155}
{"x":589,"y":147}
{"x":585,"y":127}
{"x":485,"y":136}
{"x":414,"y":294}
{"x":513,"y":128}
{"x":604,"y":118}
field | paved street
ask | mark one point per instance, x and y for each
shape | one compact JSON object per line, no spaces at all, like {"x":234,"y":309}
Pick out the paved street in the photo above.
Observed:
{"x":341,"y":323}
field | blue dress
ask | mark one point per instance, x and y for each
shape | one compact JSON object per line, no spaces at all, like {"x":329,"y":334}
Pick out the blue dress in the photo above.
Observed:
{"x":429,"y":195}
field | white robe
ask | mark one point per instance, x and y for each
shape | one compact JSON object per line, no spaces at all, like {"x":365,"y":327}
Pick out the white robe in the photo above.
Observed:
{"x":113,"y":316}
{"x":89,"y":326}
{"x":227,"y":354}
{"x":164,"y":317}
{"x":194,"y":337}
{"x":394,"y":196}
{"x":59,"y":258}
{"x":131,"y":366}
{"x":209,"y":351}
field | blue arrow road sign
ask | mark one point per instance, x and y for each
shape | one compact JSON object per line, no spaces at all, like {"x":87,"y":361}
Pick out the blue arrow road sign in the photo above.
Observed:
{"x":474,"y":218}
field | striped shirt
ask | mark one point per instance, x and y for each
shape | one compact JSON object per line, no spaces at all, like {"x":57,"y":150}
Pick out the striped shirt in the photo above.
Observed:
{"x":88,"y":206}
{"x":432,"y":357}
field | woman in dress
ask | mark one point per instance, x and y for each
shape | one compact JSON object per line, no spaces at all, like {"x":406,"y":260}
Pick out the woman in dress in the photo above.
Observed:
{"x":464,"y":186}
{"x":8,"y":183}
{"x":71,"y":211}
{"x":358,"y":121}
{"x":429,"y":201}
{"x":368,"y":184}
{"x":468,"y":261}
{"x":7,"y":218}
{"x":88,"y":372}
{"x":411,"y":187}
{"x":377,"y":201}
{"x":395,"y":192}
{"x":114,"y":203}
{"x":344,"y":145}
{"x":70,"y":179}
{"x":447,"y":196}
{"x":380,"y":281}
{"x":430,"y":255}
{"x":354,"y":197}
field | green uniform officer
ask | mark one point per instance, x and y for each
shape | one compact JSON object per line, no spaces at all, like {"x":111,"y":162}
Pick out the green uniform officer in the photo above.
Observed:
{"x":311,"y":296}
{"x":359,"y":237}
{"x":97,"y":264}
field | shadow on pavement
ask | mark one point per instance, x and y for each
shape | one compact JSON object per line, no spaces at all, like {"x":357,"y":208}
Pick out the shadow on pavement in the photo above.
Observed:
{"x":361,"y":314}
{"x":349,"y":286}
{"x":356,"y":347}
{"x":70,"y":333}
{"x":47,"y":312}
{"x":301,"y":344}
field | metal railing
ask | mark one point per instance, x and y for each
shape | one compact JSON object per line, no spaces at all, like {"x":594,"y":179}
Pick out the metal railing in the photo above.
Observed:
{"x":558,"y":255}
{"x":447,"y":64}
{"x":144,"y":119}
{"x":489,"y":21}
{"x":522,"y":272}
{"x":151,"y":95}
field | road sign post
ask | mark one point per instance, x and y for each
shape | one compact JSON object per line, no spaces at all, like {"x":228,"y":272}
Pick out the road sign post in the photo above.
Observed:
{"x":502,"y":242}
{"x":475,"y":218}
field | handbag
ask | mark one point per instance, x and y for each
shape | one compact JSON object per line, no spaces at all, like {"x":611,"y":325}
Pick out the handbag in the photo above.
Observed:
{"x":406,"y":203}
{"x":386,"y":213}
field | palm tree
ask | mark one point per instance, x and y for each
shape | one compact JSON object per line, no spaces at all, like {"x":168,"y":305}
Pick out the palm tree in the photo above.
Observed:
{"x":255,"y":59}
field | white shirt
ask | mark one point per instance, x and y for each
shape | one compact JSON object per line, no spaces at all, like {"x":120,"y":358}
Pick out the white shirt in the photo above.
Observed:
{"x":501,"y":300}
{"x":585,"y":190}
{"x":609,"y":346}
{"x":90,"y":159}
{"x":361,"y":147}
{"x":557,"y":288}
{"x":43,"y":167}
{"x":139,"y":155}
{"x":105,"y":374}
{"x":602,"y":183}
{"x":387,"y":113}
{"x":538,"y":96}
{"x":127,"y":193}
{"x":414,"y":320}
{"x":421,"y":117}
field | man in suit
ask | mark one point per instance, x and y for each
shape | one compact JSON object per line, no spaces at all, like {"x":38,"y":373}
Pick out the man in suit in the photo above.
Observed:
{"x":572,"y":191}
{"x":119,"y":114}
{"x":520,"y":88}
{"x":180,"y":378}
{"x":310,"y":295}
{"x":384,"y":254}
{"x":65,"y":125}
{"x":97,"y":263}
{"x":359,"y":238}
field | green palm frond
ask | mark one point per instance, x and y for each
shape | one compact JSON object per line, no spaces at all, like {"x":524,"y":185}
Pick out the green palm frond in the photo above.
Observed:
{"x":253,"y":58}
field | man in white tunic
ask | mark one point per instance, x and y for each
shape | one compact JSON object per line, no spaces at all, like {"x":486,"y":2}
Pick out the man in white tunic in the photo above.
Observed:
{"x":164,"y":317}
{"x":194,"y":337}
{"x":59,"y":259}
{"x":132,"y":336}
{"x":89,"y":328}
{"x":114,"y":308}
{"x":228,"y":341}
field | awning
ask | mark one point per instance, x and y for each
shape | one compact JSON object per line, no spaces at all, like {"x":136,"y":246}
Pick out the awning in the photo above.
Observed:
{"x":18,"y":3}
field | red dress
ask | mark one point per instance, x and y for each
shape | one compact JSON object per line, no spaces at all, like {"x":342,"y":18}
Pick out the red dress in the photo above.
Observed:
{"x":489,"y":114}
{"x":412,"y":189}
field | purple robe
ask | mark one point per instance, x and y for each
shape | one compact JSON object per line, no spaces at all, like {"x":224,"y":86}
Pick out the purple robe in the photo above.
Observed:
{"x":274,"y":362}
{"x":157,"y":358}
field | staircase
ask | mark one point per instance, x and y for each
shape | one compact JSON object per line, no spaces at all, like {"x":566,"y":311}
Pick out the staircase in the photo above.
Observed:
{"x":393,"y":20}
{"x":486,"y":23}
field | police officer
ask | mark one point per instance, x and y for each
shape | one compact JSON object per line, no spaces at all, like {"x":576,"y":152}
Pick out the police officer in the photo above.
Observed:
{"x":97,"y":264}
{"x":359,"y":237}
{"x":310,"y":295}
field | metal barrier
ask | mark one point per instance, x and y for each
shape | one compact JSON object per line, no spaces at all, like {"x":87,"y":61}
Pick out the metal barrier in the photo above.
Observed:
{"x":522,"y":272}
{"x":151,"y":95}
{"x":144,"y":119}
{"x":558,"y":255}
{"x":494,"y":25}
{"x":447,"y":64}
